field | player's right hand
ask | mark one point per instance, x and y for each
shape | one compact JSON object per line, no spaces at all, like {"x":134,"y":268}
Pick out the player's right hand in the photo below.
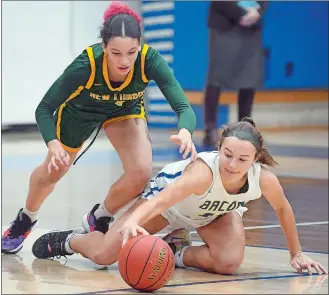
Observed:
{"x":129,"y":230}
{"x":250,"y":18}
{"x":59,"y":157}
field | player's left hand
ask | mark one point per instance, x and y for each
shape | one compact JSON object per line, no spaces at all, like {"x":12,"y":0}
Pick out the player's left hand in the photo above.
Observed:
{"x":300,"y":261}
{"x":184,"y":139}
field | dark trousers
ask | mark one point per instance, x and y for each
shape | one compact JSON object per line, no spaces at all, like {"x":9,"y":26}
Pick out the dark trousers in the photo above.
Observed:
{"x":245,"y":102}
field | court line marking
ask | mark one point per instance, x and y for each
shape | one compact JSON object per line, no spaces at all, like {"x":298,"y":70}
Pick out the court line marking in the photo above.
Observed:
{"x":282,"y":248}
{"x":199,"y":243}
{"x":278,"y":225}
{"x":269,"y":226}
{"x":208,"y":282}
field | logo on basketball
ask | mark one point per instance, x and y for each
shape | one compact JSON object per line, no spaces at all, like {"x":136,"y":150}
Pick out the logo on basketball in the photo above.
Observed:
{"x":161,"y":257}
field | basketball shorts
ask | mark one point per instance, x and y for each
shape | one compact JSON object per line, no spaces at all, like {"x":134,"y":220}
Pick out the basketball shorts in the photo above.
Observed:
{"x":176,"y":221}
{"x":73,"y":128}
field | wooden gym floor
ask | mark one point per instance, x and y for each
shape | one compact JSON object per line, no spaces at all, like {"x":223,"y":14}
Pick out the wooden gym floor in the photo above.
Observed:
{"x":303,"y":172}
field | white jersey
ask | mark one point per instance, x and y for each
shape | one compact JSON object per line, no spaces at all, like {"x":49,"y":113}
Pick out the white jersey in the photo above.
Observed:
{"x":199,"y":210}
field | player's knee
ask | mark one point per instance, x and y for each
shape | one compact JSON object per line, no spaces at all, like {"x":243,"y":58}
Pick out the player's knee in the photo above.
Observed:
{"x":226,"y":263}
{"x":54,"y":176}
{"x":140,"y":176}
{"x":227,"y":267}
{"x":102,"y":257}
{"x":44,"y":178}
{"x":146,"y":174}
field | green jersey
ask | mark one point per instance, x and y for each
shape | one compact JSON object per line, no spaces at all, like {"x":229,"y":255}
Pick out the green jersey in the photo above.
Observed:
{"x":84,"y":93}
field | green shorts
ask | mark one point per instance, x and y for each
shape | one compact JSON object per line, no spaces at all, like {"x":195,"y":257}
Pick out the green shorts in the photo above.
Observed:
{"x":73,"y":128}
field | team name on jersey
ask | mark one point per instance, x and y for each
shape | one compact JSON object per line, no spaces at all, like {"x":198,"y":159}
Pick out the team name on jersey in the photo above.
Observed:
{"x":220,"y":206}
{"x":118,"y":97}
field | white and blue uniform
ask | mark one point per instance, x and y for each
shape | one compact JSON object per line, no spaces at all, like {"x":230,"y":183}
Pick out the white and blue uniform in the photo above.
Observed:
{"x":199,"y":210}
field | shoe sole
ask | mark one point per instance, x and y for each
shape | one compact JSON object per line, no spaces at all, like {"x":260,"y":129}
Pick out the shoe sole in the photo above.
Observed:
{"x":14,"y":251}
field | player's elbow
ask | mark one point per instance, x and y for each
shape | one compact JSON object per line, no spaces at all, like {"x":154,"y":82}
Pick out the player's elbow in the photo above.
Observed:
{"x":41,"y":110}
{"x":37,"y":112}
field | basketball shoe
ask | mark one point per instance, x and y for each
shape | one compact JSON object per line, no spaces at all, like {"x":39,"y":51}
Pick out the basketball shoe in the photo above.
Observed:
{"x":177,"y":240}
{"x":91,"y":223}
{"x":14,"y":237}
{"x":51,"y":245}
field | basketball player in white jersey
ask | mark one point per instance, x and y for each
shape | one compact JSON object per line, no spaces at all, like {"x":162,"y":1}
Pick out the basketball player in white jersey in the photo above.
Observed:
{"x":207,"y":195}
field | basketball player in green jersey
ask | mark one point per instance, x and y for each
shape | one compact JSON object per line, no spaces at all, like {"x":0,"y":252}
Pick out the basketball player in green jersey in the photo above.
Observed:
{"x":103,"y":87}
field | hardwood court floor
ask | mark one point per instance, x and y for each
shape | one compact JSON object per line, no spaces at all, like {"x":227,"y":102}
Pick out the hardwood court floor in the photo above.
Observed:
{"x":266,"y":267}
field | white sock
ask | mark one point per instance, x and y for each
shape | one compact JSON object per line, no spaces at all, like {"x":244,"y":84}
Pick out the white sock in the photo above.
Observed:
{"x":33,"y":215}
{"x":67,"y":246}
{"x":102,"y":211}
{"x":179,"y":255}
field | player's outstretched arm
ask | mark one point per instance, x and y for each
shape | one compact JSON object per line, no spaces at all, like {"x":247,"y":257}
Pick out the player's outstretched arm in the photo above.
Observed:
{"x":157,"y":69}
{"x":196,"y":179}
{"x":273,"y":192}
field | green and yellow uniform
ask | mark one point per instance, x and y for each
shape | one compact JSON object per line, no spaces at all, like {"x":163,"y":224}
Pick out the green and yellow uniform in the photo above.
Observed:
{"x":83,"y":97}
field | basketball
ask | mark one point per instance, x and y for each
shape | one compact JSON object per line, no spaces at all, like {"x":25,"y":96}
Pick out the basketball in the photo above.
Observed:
{"x":146,"y":263}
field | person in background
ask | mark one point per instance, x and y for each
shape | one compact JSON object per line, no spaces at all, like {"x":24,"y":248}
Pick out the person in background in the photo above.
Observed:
{"x":235,"y":58}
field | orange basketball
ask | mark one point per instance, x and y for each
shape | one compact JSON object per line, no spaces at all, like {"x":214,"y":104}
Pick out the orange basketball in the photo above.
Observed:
{"x":146,"y":263}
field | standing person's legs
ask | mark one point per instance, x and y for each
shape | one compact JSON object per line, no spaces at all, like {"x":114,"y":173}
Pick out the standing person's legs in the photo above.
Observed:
{"x":245,"y":102}
{"x":71,"y":134}
{"x":131,"y":140}
{"x":212,"y":92}
{"x":42,"y":183}
{"x":210,"y":115}
{"x":250,"y":70}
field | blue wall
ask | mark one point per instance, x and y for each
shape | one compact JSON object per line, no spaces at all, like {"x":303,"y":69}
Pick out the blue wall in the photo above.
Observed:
{"x":294,"y":32}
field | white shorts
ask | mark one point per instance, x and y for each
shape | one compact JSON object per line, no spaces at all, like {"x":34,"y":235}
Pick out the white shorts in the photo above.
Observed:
{"x":175,"y":221}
